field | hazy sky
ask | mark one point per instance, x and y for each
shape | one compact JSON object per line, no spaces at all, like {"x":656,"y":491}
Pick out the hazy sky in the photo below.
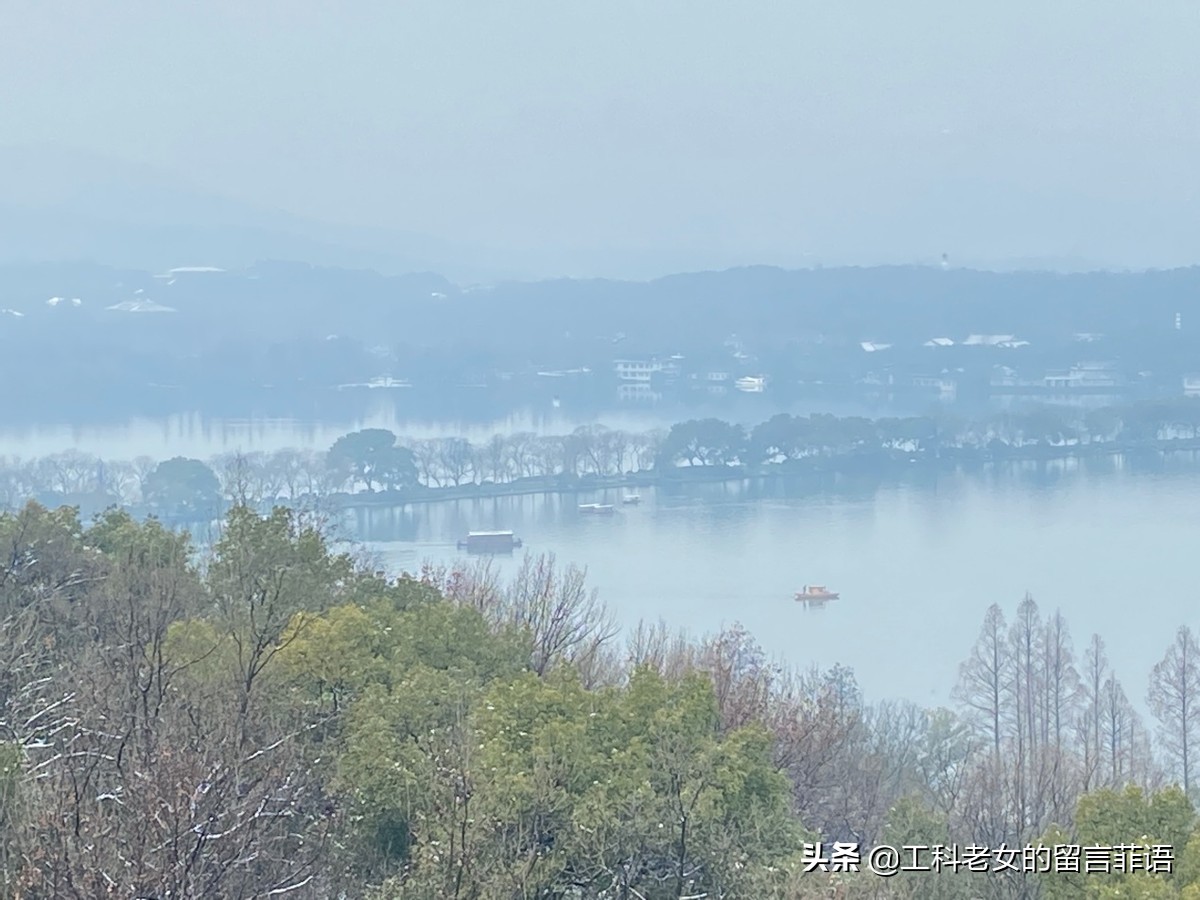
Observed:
{"x":780,"y":132}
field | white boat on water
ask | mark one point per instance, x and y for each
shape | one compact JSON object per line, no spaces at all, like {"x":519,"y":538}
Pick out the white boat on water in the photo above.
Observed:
{"x":631,"y":499}
{"x":597,"y":509}
{"x":490,"y":542}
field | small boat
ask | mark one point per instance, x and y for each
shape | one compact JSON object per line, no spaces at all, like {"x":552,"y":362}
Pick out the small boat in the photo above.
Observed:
{"x":597,"y":509}
{"x":490,"y":542}
{"x":815,"y":593}
{"x":631,"y":499}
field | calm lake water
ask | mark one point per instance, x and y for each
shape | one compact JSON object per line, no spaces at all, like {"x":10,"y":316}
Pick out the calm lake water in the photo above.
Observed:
{"x":1110,"y":545}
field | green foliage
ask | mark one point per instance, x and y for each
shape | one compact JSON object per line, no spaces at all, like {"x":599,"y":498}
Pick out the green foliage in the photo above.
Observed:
{"x":147,"y":545}
{"x":202,"y":656}
{"x":340,"y":653}
{"x":910,"y":823}
{"x":550,"y":785}
{"x":1109,"y":818}
{"x":183,"y":488}
{"x":1113,"y":817}
{"x":703,"y":442}
{"x":45,"y":571}
{"x":780,"y":437}
{"x":294,"y":693}
{"x":276,"y":560}
{"x":372,"y":456}
{"x":410,"y":739}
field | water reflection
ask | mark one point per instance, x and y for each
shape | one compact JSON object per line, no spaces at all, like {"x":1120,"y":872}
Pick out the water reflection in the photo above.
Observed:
{"x":273,"y":421}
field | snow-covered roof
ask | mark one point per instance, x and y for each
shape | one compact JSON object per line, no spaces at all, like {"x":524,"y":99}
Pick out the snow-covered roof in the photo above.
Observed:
{"x":871,"y":346}
{"x":13,"y":313}
{"x":137,"y":306}
{"x":988,"y":340}
{"x":939,"y":342}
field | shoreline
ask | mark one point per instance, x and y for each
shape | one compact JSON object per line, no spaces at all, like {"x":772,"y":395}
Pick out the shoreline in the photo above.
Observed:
{"x":880,"y":462}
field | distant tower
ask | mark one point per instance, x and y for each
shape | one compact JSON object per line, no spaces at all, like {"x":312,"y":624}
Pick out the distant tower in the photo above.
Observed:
{"x":1179,"y":321}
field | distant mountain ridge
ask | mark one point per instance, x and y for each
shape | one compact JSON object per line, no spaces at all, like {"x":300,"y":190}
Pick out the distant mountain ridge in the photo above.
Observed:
{"x":139,"y":338}
{"x":64,"y":205}
{"x":67,"y":205}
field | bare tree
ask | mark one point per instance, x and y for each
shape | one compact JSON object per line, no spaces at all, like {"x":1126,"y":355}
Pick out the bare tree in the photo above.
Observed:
{"x":120,"y":480}
{"x":649,"y":445}
{"x":552,"y":455}
{"x":1062,"y":689}
{"x":658,"y":647}
{"x":575,"y":451}
{"x":456,"y":459}
{"x":426,"y":454}
{"x":597,"y":449}
{"x":237,"y":479}
{"x":621,"y":451}
{"x":69,"y":473}
{"x":1095,"y":675}
{"x":289,"y":468}
{"x":1119,"y":730}
{"x":985,"y":679}
{"x":143,"y":467}
{"x":743,"y":681}
{"x":565,"y":619}
{"x":945,"y":751}
{"x":131,"y":783}
{"x":818,"y":725}
{"x":17,"y":482}
{"x":476,"y":584}
{"x":1174,"y":698}
{"x":522,"y":454}
{"x":495,"y":460}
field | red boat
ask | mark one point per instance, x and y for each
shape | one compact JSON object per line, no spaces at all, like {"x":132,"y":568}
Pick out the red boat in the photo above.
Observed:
{"x":815,"y":592}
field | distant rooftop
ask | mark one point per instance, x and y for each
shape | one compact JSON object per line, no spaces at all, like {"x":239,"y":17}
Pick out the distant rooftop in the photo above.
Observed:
{"x":988,"y":340}
{"x":140,"y":306}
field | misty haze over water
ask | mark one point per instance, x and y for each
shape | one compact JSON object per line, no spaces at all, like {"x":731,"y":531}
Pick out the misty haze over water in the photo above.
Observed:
{"x":859,"y":344}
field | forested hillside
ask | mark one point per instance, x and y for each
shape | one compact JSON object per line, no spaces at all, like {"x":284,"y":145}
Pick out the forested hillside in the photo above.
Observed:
{"x":271,"y":718}
{"x":84,"y":336}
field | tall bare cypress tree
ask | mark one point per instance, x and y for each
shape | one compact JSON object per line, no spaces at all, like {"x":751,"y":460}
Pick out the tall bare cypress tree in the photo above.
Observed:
{"x":985,"y":678}
{"x":1095,"y":674}
{"x":1174,"y":698}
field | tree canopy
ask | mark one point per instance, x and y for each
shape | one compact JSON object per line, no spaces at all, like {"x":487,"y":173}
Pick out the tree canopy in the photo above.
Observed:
{"x":272,"y":717}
